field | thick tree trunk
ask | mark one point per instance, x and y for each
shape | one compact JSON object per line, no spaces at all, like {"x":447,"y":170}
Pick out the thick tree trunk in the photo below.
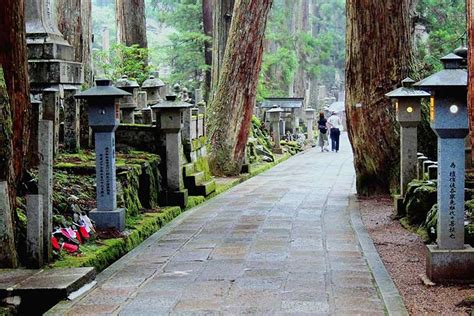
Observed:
{"x":14,"y":109}
{"x":222,"y":19}
{"x":302,"y":26}
{"x":378,"y":56}
{"x":470,"y":30}
{"x":207,"y":24}
{"x":75,"y":23}
{"x":131,"y":22}
{"x":231,"y":111}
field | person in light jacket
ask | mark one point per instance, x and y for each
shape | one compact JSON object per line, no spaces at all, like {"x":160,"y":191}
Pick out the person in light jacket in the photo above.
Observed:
{"x":335,"y":127}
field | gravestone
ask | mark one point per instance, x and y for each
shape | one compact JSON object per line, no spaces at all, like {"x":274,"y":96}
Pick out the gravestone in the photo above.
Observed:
{"x":104,"y":115}
{"x":71,"y":119}
{"x":419,"y":167}
{"x":198,"y":96}
{"x":36,"y":116}
{"x":152,"y":87}
{"x":450,"y":260}
{"x":309,"y":124}
{"x":51,"y":104}
{"x":169,"y":114}
{"x":407,"y":102}
{"x":45,"y":182}
{"x":34,"y":231}
{"x":275,"y":115}
{"x":142,"y":100}
{"x":50,"y":58}
{"x":128,"y":103}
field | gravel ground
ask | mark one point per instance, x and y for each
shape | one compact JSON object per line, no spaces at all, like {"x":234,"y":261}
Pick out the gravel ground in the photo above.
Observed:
{"x":403,"y":253}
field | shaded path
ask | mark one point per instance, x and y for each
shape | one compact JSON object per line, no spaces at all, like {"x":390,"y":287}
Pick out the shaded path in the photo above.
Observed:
{"x":282,"y":242}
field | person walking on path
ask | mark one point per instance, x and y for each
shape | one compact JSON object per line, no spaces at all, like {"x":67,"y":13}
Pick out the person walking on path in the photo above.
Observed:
{"x":335,"y":126}
{"x":323,"y":132}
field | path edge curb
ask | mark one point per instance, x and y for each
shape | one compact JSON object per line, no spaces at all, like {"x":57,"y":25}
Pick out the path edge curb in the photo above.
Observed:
{"x":391,"y":296}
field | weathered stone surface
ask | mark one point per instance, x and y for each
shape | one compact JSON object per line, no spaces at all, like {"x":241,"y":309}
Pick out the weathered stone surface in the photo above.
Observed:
{"x":45,"y":182}
{"x":34,"y":230}
{"x":71,"y":120}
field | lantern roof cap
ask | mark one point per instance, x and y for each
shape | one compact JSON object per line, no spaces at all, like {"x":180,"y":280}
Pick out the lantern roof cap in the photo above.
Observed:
{"x":153,"y":82}
{"x":103,"y":88}
{"x":172,"y":102}
{"x":124,"y":82}
{"x":453,"y":75}
{"x":310,"y":110}
{"x":407,"y":91}
{"x":275,"y":109}
{"x":461,"y":51}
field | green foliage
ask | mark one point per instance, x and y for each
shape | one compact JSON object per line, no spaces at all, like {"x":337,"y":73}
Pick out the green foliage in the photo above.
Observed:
{"x":184,"y":52}
{"x":320,"y":51}
{"x":123,"y":60}
{"x":445,"y":22}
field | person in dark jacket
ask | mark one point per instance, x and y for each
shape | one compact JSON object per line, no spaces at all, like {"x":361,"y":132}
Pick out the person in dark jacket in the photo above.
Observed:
{"x":323,"y":132}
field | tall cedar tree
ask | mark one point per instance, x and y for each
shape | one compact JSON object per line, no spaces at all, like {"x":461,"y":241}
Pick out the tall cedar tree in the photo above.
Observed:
{"x":230,"y":112}
{"x":14,"y":110}
{"x":131,"y":22}
{"x":222,"y":19}
{"x":378,"y":56}
{"x":207,"y":26}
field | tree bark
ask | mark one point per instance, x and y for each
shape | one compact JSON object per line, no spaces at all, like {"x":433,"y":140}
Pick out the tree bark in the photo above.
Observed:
{"x":75,"y":23}
{"x":222,"y":19}
{"x":379,"y":55}
{"x":302,"y":26}
{"x":470,"y":31}
{"x":14,"y":109}
{"x":131,"y":22}
{"x":230,"y":112}
{"x":207,"y":24}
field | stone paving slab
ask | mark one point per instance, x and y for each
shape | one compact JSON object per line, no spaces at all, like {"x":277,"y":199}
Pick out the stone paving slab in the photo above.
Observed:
{"x":280,"y":243}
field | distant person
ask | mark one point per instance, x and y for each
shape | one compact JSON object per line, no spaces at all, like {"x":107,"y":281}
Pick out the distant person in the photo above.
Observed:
{"x":335,"y":126}
{"x":323,"y":132}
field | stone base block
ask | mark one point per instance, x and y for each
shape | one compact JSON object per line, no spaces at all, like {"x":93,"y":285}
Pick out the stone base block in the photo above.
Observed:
{"x":278,"y":151}
{"x":177,"y":198}
{"x":450,"y":266}
{"x":109,"y":219}
{"x":398,"y":205}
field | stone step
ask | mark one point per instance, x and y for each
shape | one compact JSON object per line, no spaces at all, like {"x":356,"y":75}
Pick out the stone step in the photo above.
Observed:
{"x":194,"y":180}
{"x":41,"y":289}
{"x":188,"y":169}
{"x":205,"y":188}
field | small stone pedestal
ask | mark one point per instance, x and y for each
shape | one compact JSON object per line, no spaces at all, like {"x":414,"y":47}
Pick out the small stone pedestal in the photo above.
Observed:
{"x":450,"y":260}
{"x":275,"y":114}
{"x":169,"y":113}
{"x":104,"y":113}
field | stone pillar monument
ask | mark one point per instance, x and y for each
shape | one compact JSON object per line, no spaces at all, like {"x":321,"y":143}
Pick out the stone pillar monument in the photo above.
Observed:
{"x":128,"y":104}
{"x":310,"y":116}
{"x":275,"y":115}
{"x":50,"y":57}
{"x":104,"y":115}
{"x":169,"y":113}
{"x":407,"y":102}
{"x":450,"y":260}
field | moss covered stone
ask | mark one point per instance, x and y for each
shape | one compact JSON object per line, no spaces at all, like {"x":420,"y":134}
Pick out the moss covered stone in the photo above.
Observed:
{"x":419,"y":199}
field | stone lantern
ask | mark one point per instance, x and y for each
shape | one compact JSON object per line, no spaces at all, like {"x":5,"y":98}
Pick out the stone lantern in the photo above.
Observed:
{"x":129,"y":103}
{"x":104,"y":118}
{"x":407,"y":102}
{"x":450,"y":259}
{"x":170,"y":115}
{"x":310,"y":116}
{"x":275,"y":115}
{"x":152,"y":87}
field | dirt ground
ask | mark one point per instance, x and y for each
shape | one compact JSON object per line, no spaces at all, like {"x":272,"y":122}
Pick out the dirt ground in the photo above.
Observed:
{"x":403,"y":254}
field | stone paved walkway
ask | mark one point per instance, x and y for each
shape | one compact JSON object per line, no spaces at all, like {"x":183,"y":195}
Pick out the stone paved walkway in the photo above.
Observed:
{"x":279,"y":243}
